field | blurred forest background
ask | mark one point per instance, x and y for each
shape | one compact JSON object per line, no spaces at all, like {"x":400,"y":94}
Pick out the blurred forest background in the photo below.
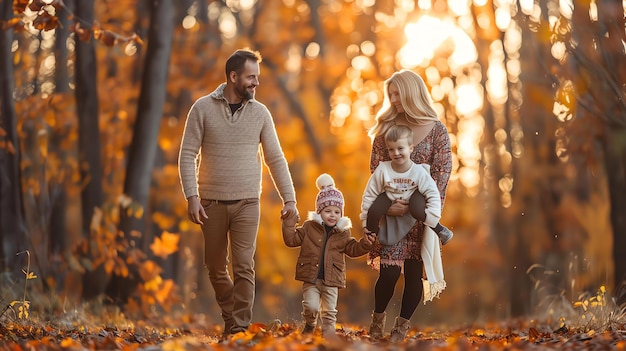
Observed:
{"x":94,"y":96}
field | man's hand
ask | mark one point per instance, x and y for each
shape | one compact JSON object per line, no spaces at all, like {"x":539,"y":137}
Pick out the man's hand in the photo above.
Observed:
{"x":398,"y":208}
{"x":288,"y":209}
{"x":195,"y":211}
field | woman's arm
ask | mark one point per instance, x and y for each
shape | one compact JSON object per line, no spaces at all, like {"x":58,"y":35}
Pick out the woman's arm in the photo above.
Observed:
{"x":441,"y":160}
{"x":428,"y":188}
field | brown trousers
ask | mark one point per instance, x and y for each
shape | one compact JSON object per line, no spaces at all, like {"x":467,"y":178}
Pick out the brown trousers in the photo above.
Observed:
{"x":230,"y":232}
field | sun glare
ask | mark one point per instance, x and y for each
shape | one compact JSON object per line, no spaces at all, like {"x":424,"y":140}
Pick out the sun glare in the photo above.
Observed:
{"x":469,"y":98}
{"x":449,"y":48}
{"x":227,"y":24}
{"x":443,"y":34}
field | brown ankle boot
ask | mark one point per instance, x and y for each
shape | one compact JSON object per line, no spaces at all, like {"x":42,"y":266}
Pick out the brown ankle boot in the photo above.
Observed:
{"x":377,"y":327}
{"x":400,"y":329}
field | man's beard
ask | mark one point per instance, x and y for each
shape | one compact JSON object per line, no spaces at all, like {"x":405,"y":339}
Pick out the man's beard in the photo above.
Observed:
{"x":245,"y":93}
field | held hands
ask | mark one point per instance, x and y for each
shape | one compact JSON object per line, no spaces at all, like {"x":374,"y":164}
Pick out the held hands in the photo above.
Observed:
{"x":369,"y":237}
{"x":398,"y":208}
{"x":195,"y":211}
{"x":289,"y":209}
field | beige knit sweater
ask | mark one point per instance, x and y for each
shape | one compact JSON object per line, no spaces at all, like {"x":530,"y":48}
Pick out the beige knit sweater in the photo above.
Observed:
{"x":231,"y":147}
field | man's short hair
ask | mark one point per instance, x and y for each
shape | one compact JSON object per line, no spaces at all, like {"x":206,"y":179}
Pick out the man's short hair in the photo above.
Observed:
{"x":237,"y":60}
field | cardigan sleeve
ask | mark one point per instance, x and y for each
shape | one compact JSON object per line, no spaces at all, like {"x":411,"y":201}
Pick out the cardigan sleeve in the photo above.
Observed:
{"x":441,"y":160}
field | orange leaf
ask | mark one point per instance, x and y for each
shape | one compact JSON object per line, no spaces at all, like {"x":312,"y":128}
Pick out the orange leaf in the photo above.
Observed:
{"x":45,"y":22}
{"x":137,"y":39}
{"x":167,"y":288}
{"x":108,"y":38}
{"x":256,"y":327}
{"x":19,"y":6}
{"x":149,"y":270}
{"x":84,"y":34}
{"x":69,"y":343}
{"x":16,"y":23}
{"x":109,"y":265}
{"x":533,"y":335}
{"x":166,"y":245}
{"x":36,"y":5}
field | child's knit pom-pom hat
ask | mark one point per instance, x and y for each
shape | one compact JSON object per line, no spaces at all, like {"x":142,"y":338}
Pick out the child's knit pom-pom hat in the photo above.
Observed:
{"x":328,"y":195}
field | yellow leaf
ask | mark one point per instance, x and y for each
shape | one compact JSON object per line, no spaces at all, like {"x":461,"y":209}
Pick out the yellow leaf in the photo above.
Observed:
{"x":153,"y":284}
{"x":163,"y":220}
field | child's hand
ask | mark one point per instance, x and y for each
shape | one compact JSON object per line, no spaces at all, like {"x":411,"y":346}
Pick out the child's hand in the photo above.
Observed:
{"x":369,"y":236}
{"x":290,"y":218}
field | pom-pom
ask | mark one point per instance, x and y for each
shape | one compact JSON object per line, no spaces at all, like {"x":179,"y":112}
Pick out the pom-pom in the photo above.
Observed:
{"x":324,"y":181}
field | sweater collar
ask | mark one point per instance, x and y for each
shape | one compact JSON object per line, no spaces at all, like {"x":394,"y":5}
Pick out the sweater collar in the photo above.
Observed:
{"x":218,"y":94}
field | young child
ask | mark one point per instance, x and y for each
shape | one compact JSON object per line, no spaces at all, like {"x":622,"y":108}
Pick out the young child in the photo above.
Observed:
{"x":399,"y":179}
{"x":324,"y":240}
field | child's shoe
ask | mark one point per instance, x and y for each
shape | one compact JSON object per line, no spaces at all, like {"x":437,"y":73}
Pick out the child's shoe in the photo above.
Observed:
{"x":445,"y":235}
{"x":308,"y":329}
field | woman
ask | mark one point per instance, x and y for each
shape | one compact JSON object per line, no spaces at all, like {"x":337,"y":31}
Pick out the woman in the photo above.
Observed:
{"x":406,"y":102}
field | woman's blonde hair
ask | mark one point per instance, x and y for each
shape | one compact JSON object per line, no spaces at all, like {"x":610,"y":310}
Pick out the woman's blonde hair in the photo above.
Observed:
{"x":414,"y":98}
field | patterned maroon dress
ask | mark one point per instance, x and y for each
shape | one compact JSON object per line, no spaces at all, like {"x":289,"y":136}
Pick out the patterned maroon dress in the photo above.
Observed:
{"x":435,"y":151}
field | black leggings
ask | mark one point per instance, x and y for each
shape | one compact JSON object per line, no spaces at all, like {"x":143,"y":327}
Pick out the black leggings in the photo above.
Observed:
{"x":417,"y":208}
{"x":386,"y":284}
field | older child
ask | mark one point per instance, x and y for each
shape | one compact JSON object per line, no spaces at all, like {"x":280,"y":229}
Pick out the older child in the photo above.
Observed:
{"x":401,"y":179}
{"x":324,"y":240}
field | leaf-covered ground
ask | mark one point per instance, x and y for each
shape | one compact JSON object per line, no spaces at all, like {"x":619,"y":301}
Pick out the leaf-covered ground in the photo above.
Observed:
{"x":512,"y":335}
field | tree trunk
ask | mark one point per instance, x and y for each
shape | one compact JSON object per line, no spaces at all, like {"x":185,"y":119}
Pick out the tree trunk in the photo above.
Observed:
{"x":143,"y":148}
{"x":611,"y":14}
{"x":615,"y":163}
{"x":544,"y":177}
{"x":88,"y":140}
{"x":58,"y":223}
{"x":11,"y":209}
{"x":61,"y":56}
{"x":598,"y":71}
{"x":497,"y":217}
{"x":89,"y":131}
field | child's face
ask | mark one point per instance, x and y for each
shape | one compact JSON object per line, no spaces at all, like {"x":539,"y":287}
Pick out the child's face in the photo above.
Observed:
{"x":400,"y":152}
{"x":330,"y":215}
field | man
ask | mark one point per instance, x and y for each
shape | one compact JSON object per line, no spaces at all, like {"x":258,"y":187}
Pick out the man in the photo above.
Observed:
{"x":223,"y":186}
